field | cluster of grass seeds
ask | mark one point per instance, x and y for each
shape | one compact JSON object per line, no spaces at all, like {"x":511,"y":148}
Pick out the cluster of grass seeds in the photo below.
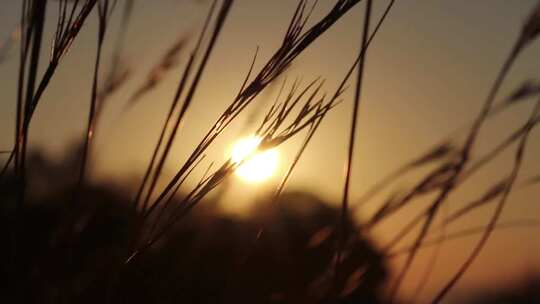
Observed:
{"x":456,"y":166}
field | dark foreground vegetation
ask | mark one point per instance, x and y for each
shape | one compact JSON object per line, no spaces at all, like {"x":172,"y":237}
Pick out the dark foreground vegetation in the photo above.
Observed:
{"x":280,"y":254}
{"x":208,"y":258}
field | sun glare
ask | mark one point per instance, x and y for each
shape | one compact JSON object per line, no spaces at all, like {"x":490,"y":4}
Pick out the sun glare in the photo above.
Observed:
{"x":257,"y":168}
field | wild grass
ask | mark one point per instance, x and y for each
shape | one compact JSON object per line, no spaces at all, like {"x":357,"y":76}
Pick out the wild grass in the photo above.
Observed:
{"x":298,"y":111}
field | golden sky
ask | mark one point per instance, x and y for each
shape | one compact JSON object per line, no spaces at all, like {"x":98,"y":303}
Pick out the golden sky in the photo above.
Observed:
{"x":427,"y":72}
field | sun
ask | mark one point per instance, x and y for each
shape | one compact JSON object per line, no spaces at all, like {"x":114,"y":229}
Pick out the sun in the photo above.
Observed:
{"x":256,"y":166}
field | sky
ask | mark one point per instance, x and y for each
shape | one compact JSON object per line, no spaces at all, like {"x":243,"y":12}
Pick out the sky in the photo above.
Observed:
{"x":427,"y":72}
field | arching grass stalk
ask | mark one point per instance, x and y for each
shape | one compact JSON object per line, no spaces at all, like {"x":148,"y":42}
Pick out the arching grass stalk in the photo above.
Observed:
{"x":529,"y":32}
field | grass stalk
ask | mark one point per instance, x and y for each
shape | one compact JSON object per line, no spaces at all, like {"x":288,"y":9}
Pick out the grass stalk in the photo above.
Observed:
{"x":518,"y":160}
{"x":343,"y":231}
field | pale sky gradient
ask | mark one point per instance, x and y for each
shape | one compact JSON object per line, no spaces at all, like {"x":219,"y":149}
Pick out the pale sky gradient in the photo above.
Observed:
{"x":427,"y":72}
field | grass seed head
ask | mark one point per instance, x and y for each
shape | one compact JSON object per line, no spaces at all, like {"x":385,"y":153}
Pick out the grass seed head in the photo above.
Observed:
{"x":531,"y":29}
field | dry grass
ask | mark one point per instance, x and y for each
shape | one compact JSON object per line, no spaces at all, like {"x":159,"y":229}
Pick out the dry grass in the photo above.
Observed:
{"x":299,"y":109}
